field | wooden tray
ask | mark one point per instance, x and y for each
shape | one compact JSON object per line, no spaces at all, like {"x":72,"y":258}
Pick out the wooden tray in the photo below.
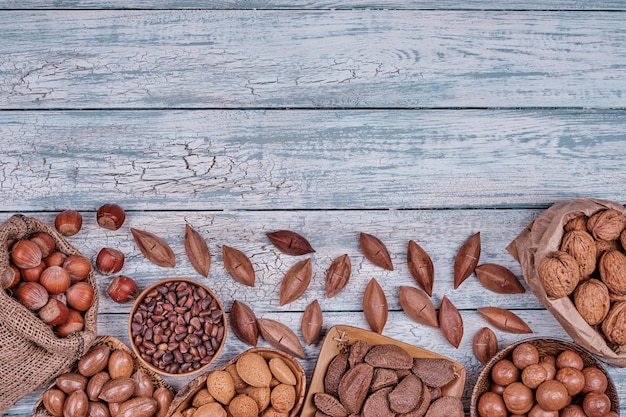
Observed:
{"x":183,"y":398}
{"x":114,"y":344}
{"x":340,"y":336}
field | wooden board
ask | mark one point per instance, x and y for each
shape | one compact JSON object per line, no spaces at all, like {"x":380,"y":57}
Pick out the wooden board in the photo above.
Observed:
{"x":425,"y":121}
{"x":310,"y":59}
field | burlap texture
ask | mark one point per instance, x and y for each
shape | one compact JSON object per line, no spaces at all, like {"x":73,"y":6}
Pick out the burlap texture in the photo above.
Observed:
{"x":542,"y":237}
{"x":30,"y":353}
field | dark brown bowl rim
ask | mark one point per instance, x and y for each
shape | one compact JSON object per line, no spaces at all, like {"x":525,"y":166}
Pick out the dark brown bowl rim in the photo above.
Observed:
{"x":506,"y":351}
{"x":142,"y":295}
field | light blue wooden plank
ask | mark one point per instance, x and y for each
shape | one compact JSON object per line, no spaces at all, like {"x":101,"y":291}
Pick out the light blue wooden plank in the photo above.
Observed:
{"x":311,"y":59}
{"x":318,"y":4}
{"x":267,"y":160}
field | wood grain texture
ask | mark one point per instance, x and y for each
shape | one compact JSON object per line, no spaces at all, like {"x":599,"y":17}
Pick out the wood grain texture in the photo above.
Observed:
{"x":311,"y":59}
{"x":317,"y":4}
{"x":234,"y":160}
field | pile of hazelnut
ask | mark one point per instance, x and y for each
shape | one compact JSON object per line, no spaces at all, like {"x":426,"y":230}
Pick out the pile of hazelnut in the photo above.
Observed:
{"x":49,"y":282}
{"x":590,"y":268}
{"x":537,"y":385}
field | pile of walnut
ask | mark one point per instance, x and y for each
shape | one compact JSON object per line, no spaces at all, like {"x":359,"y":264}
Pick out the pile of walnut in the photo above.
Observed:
{"x":385,"y":381}
{"x":251,"y":387}
{"x":590,"y":267}
{"x":104,"y":385}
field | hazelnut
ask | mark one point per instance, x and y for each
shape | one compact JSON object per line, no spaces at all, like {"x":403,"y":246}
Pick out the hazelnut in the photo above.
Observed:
{"x":109,"y":261}
{"x":110,"y":216}
{"x":68,"y":222}
{"x":45,"y":242}
{"x":77,"y":266}
{"x":26,"y":254}
{"x":559,"y":274}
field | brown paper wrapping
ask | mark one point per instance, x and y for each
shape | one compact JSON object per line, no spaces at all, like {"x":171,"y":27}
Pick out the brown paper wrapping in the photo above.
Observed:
{"x":542,"y":237}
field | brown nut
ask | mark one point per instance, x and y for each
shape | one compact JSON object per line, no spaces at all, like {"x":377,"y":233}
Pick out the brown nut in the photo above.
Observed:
{"x":138,"y":407}
{"x":144,"y":386}
{"x":95,"y":384}
{"x":504,"y":372}
{"x":559,"y":274}
{"x":117,"y":390}
{"x":582,"y":247}
{"x":614,"y":325}
{"x":606,"y":224}
{"x":552,"y":395}
{"x":120,"y":364}
{"x":76,"y":404}
{"x":163,"y":397}
{"x":572,"y":378}
{"x":71,"y":382}
{"x":592,"y":301}
{"x":491,"y":404}
{"x":534,"y":375}
{"x":612,"y":271}
{"x":94,"y":361}
{"x":518,"y":398}
{"x":53,"y":400}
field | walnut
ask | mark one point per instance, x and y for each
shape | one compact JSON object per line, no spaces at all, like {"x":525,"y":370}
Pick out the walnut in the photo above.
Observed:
{"x":614,"y":325}
{"x":577,"y":223}
{"x":592,"y":301}
{"x":606,"y":224}
{"x":613,"y":271}
{"x":606,"y":245}
{"x":559,"y":273}
{"x":622,"y":238}
{"x":582,"y":247}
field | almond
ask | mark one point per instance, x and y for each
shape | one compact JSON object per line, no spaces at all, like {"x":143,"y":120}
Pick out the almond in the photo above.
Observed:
{"x":375,"y":251}
{"x":281,"y":371}
{"x":311,"y":324}
{"x":499,"y":279}
{"x":450,"y":322}
{"x":421,"y":267}
{"x":197,"y":251}
{"x":416,"y":304}
{"x":254,"y":370}
{"x":338,"y":275}
{"x":155,"y":249}
{"x":375,"y":306}
{"x":281,"y":337}
{"x":238,"y":265}
{"x":296,"y":281}
{"x":290,"y":243}
{"x":466,"y":259}
{"x":504,"y":320}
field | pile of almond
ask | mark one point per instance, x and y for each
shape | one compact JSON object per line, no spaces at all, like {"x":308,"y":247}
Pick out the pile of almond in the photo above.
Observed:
{"x":590,"y":268}
{"x":385,"y":381}
{"x":252,"y":386}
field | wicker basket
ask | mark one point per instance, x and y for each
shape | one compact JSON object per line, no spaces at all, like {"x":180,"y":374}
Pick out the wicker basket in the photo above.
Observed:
{"x":545,"y":347}
{"x":113,"y":344}
{"x":183,"y":398}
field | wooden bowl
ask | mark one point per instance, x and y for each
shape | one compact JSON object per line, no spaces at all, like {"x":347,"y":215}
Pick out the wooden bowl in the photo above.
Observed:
{"x":114,"y":344}
{"x":185,"y":395}
{"x":140,"y":299}
{"x":545,"y":347}
{"x":341,"y":336}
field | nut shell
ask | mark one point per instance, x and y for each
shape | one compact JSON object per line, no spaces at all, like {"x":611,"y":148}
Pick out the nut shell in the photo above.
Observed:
{"x":559,"y":273}
{"x":592,"y":301}
{"x":606,"y":224}
{"x":582,"y":247}
{"x":614,"y":325}
{"x":613,"y":270}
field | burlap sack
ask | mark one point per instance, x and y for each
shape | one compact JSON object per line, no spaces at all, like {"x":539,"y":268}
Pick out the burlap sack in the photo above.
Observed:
{"x":540,"y":238}
{"x":30,"y":353}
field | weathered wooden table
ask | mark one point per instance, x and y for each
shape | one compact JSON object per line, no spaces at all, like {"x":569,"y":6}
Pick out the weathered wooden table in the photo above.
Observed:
{"x":425,"y":121}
